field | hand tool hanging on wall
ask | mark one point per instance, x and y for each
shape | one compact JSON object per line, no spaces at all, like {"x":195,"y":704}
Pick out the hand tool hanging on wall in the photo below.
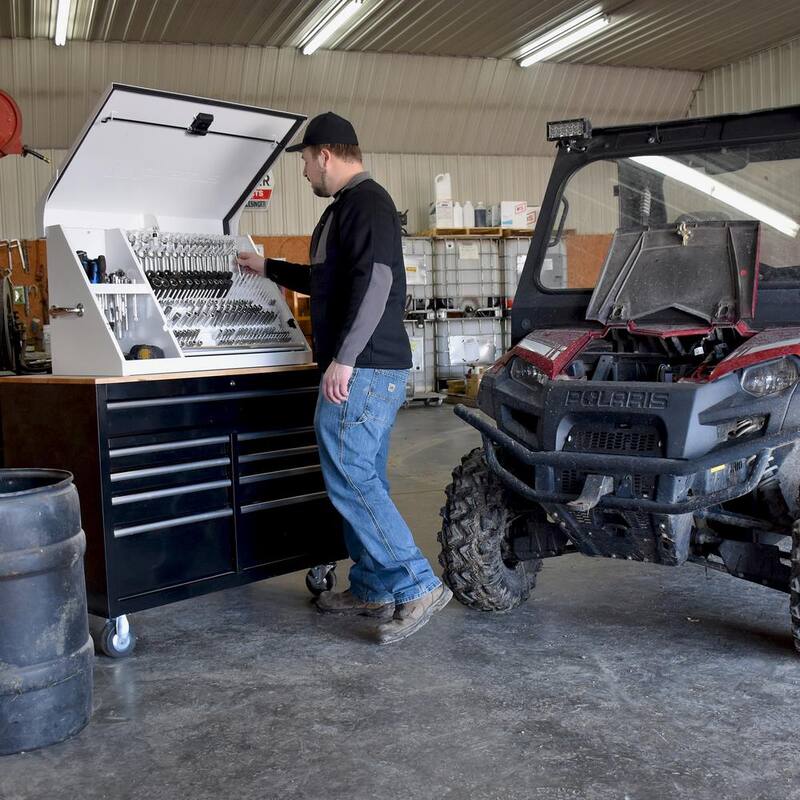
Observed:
{"x":16,"y":244}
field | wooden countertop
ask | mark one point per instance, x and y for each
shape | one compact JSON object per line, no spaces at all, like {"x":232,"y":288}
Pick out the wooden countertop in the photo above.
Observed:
{"x":165,"y":376}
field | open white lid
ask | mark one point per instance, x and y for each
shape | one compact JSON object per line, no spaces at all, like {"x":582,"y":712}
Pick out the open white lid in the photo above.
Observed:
{"x":136,"y":164}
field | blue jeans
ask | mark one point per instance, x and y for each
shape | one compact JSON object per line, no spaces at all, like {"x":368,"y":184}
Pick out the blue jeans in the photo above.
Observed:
{"x":353,"y":440}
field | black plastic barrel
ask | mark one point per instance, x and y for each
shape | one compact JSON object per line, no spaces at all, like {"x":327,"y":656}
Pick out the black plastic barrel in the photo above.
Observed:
{"x":46,"y":655}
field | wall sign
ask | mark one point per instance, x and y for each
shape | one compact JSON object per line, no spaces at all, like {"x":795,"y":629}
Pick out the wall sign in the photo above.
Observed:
{"x":262,"y":194}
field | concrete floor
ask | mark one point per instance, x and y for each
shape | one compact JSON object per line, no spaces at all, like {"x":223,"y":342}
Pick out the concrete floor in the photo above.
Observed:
{"x":617,"y":681}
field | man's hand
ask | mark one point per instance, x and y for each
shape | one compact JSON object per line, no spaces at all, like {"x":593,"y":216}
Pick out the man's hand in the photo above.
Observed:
{"x":252,"y":262}
{"x":334,"y":382}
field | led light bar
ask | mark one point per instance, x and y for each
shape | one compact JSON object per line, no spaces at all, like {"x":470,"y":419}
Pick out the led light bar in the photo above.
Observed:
{"x":569,"y":129}
{"x":327,"y":30}
{"x":62,"y":20}
{"x":719,"y":191}
{"x":564,"y":36}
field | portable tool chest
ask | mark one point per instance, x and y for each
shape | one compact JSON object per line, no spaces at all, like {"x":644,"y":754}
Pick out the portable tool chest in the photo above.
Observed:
{"x":197,"y":466}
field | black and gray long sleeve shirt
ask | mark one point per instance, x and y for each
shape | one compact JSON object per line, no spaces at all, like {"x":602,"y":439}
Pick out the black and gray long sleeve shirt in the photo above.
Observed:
{"x":357,"y":280}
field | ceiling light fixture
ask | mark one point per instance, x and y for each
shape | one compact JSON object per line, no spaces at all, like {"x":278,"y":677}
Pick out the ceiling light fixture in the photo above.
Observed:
{"x":333,"y":25}
{"x":62,"y":20}
{"x":564,"y":36}
{"x":719,"y":191}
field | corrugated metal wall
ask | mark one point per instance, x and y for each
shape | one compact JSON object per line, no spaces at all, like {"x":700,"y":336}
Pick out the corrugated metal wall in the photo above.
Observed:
{"x":398,"y":103}
{"x":764,"y":80}
{"x":409,"y":179}
{"x":22,"y":181}
{"x":295,"y":210}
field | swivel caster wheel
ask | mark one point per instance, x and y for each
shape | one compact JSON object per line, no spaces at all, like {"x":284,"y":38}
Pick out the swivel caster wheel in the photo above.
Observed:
{"x":114,"y":638}
{"x":321,"y":579}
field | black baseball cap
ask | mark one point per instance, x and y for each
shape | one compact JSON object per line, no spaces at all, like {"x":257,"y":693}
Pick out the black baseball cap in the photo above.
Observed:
{"x":327,"y":128}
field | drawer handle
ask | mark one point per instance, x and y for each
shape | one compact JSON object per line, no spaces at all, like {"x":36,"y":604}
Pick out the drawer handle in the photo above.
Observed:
{"x":157,"y":494}
{"x":62,"y":311}
{"x":167,"y":446}
{"x":271,"y":454}
{"x":249,"y":437}
{"x":120,"y":533}
{"x":286,"y":501}
{"x":281,"y":473}
{"x":169,"y":469}
{"x":122,"y":405}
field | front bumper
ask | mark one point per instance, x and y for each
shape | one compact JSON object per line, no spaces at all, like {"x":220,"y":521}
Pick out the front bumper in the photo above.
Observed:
{"x":684,"y":483}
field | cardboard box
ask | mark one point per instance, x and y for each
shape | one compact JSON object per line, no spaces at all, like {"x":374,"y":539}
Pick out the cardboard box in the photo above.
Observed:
{"x":532,"y":216}
{"x":440,"y":214}
{"x":473,"y":381}
{"x":509,"y":214}
{"x":456,"y":387}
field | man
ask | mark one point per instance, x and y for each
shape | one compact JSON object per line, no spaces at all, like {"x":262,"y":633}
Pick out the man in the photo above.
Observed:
{"x":357,"y":286}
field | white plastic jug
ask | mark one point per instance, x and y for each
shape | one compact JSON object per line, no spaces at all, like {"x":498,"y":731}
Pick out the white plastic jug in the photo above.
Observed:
{"x":442,"y":187}
{"x":469,"y":215}
{"x":458,"y":215}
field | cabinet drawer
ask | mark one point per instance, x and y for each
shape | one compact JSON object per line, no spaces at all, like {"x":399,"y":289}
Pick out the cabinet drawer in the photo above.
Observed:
{"x":239,"y":410}
{"x":150,"y":557}
{"x":274,"y":487}
{"x":137,"y":508}
{"x":166,"y":476}
{"x":154,"y":450}
{"x":212,"y":384}
{"x":308,"y":526}
{"x":274,"y":443}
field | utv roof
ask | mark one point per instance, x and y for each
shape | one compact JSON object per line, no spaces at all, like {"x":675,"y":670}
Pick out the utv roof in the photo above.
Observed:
{"x":741,"y":128}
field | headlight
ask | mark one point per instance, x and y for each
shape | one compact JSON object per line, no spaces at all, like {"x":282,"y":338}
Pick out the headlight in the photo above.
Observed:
{"x":772,"y":377}
{"x":526,"y":373}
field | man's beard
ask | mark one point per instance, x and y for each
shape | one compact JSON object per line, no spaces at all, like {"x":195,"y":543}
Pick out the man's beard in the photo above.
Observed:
{"x":321,"y":189}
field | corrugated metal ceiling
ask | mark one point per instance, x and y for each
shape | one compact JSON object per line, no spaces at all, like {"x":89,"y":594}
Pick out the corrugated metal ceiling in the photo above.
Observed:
{"x":398,"y":103}
{"x":645,"y":33}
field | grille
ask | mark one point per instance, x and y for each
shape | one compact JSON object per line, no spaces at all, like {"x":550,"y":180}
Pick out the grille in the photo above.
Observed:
{"x":626,"y":440}
{"x":572,"y":483}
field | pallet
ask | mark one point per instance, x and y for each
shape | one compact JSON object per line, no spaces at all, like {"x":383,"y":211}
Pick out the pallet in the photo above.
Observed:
{"x":516,"y":233}
{"x":427,"y":398}
{"x":460,"y":399}
{"x":453,"y":233}
{"x":456,"y":233}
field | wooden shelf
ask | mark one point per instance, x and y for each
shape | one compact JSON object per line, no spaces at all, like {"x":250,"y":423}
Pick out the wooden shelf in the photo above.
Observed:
{"x":495,"y":233}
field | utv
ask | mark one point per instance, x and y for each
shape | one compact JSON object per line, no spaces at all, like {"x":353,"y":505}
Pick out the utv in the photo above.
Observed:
{"x":649,"y":407}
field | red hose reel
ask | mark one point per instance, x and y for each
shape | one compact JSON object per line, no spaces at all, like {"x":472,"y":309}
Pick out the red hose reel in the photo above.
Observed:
{"x":11,"y":130}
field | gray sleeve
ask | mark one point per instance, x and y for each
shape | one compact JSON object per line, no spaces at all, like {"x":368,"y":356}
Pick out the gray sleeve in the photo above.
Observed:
{"x":369,"y":314}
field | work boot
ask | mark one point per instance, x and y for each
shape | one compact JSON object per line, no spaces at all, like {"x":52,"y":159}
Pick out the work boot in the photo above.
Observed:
{"x":410,"y":617}
{"x":347,"y":603}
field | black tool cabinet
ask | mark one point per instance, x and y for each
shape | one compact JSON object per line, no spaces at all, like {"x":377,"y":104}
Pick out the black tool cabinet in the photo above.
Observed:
{"x":189,"y":483}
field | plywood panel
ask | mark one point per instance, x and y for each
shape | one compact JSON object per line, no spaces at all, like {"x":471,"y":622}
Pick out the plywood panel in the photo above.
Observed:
{"x":295,"y":249}
{"x":35,"y":284}
{"x":585,"y":255}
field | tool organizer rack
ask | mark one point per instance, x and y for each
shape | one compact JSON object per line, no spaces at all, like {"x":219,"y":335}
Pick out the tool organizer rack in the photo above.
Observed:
{"x":155,"y":185}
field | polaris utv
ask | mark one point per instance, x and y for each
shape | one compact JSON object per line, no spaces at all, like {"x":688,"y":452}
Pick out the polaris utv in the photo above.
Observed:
{"x":649,"y":407}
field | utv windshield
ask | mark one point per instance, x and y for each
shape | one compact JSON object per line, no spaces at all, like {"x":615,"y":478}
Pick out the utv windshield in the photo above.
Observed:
{"x":759,"y":182}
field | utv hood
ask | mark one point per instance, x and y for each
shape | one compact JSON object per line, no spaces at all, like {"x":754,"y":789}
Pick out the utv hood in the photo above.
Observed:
{"x":678,"y":275}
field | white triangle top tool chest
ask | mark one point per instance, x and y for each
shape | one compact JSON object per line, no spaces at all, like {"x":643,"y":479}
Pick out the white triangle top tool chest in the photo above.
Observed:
{"x":141,"y":224}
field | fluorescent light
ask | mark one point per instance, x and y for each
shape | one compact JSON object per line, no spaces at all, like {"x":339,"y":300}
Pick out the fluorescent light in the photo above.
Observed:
{"x":561,"y":30}
{"x":564,"y":42}
{"x":336,"y":22}
{"x":563,"y":36}
{"x":719,"y":191}
{"x":62,"y":19}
